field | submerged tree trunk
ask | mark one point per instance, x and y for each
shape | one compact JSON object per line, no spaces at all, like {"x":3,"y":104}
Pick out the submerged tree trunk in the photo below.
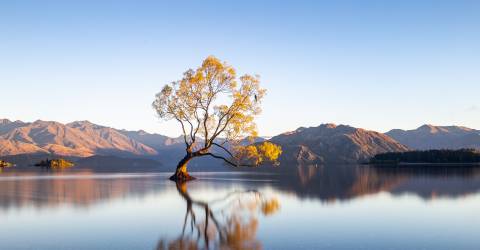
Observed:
{"x":181,"y":173}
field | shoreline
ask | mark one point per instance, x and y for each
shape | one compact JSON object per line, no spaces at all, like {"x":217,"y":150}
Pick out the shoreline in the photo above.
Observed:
{"x":453,"y":164}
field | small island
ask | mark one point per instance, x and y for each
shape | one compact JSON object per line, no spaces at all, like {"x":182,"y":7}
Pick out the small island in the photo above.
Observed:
{"x":429,"y":157}
{"x":55,"y":163}
{"x":4,"y":164}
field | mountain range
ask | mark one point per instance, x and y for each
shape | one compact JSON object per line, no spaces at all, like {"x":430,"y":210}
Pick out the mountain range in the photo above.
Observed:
{"x":327,"y":143}
{"x":437,"y":137}
{"x":80,"y":138}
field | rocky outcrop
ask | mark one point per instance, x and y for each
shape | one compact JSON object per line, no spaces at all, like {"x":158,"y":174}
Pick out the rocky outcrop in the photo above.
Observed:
{"x":330,"y":143}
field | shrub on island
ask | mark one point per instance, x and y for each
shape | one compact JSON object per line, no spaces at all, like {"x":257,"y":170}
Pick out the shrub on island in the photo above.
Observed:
{"x":4,"y":164}
{"x":55,"y":163}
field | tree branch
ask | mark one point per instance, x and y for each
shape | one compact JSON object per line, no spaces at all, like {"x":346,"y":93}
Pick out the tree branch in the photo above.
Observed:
{"x":184,"y":134}
{"x":222,"y":147}
{"x":228,"y":161}
{"x":223,"y":129}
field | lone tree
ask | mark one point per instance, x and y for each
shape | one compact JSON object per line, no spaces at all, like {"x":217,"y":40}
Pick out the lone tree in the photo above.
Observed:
{"x":216,"y":111}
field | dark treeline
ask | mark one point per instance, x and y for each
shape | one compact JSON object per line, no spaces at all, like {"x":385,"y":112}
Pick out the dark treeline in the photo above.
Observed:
{"x":428,"y":156}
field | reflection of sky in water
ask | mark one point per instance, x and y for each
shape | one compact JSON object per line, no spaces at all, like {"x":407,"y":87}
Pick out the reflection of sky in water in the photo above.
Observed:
{"x":135,"y":212}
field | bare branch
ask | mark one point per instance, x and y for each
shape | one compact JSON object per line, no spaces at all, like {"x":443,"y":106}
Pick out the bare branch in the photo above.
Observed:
{"x":228,"y":161}
{"x":222,"y":147}
{"x":217,"y":133}
{"x":184,"y":134}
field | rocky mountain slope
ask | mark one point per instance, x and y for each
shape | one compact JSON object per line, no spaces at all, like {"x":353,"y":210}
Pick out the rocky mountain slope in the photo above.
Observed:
{"x":437,"y":137}
{"x":329,"y":143}
{"x":75,"y":139}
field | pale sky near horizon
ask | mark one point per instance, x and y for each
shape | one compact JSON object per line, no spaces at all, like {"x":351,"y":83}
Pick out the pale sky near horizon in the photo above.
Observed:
{"x":372,"y":64}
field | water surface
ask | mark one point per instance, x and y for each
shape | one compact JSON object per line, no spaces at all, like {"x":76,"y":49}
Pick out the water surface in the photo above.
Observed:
{"x":328,"y":207}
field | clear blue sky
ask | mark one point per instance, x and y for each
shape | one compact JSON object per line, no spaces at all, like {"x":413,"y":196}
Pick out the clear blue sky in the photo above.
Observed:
{"x":371,"y":64}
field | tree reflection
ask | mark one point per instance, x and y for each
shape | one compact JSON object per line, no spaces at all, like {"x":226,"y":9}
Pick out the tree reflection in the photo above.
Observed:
{"x":230,"y":222}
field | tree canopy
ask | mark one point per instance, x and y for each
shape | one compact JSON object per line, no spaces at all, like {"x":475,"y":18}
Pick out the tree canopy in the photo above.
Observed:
{"x":217,"y":109}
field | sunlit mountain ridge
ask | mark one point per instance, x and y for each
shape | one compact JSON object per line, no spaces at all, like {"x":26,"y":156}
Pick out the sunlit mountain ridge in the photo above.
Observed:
{"x":327,"y":143}
{"x":437,"y":137}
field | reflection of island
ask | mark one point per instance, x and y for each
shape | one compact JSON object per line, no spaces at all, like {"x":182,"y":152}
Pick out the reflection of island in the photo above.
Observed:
{"x":226,"y":223}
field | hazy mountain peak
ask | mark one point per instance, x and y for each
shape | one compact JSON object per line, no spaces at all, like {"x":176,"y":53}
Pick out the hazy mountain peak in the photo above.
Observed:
{"x":5,"y":121}
{"x":142,"y":132}
{"x":300,"y":129}
{"x":43,"y":123}
{"x":428,"y":128}
{"x":81,"y":123}
{"x":9,"y":122}
{"x":84,"y":122}
{"x":437,"y":137}
{"x":85,"y":125}
{"x":329,"y":125}
{"x":444,"y":129}
{"x":459,"y":128}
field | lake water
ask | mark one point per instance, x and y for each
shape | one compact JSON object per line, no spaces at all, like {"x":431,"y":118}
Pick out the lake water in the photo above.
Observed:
{"x":328,"y":207}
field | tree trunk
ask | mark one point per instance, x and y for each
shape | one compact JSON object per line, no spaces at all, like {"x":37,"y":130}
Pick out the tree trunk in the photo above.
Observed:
{"x":181,"y":173}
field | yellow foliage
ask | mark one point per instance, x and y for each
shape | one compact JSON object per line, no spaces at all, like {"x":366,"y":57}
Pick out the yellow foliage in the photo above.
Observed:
{"x":55,"y":163}
{"x":211,"y":102}
{"x":270,"y":207}
{"x":257,"y":154}
{"x":5,"y":164}
{"x":270,"y":151}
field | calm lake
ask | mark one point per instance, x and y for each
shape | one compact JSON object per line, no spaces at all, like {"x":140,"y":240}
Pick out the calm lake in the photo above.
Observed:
{"x":328,"y":207}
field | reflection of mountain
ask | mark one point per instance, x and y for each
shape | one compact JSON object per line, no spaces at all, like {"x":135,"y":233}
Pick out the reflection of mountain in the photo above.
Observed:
{"x":331,"y":183}
{"x":431,"y":183}
{"x":326,"y":183}
{"x":80,"y":189}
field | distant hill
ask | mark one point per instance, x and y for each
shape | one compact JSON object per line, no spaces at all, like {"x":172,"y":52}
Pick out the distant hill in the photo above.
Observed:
{"x":155,"y":141}
{"x":329,"y":143}
{"x":437,"y":137}
{"x":75,"y":139}
{"x":114,"y":163}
